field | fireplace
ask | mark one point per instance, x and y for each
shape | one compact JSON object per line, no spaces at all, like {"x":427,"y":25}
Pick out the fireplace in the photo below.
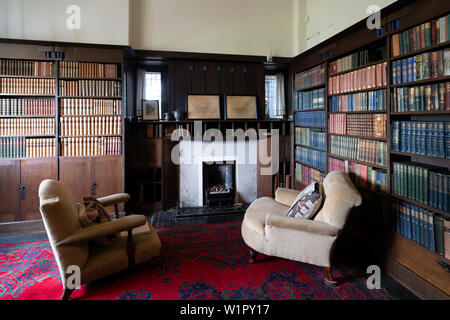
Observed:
{"x":219,"y":187}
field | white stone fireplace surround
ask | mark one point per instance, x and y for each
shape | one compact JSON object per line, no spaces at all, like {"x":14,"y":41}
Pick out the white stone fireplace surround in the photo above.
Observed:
{"x":244,"y":153}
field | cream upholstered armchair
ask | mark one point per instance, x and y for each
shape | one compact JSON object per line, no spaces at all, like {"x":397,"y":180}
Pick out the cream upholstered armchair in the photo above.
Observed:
{"x":137,"y":241}
{"x":267,"y":228}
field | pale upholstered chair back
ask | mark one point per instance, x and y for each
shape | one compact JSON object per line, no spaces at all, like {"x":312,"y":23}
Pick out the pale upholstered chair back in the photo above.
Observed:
{"x":340,"y":197}
{"x":60,"y":215}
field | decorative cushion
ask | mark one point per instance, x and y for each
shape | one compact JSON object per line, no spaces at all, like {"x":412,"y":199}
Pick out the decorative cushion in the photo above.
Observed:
{"x":307,"y":203}
{"x":91,"y":212}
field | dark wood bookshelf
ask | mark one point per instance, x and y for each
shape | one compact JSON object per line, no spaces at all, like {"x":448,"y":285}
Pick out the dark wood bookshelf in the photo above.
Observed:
{"x":405,"y":154}
{"x":359,"y":112}
{"x":318,"y":86}
{"x":308,"y":110}
{"x":422,"y":81}
{"x":419,"y":113}
{"x":27,"y":77}
{"x":6,"y":95}
{"x":92,"y":116}
{"x":370,"y":164}
{"x":357,"y":68}
{"x":359,"y":137}
{"x":26,"y":116}
{"x":412,"y":242}
{"x":421,"y":205}
{"x":92,"y":136}
{"x":90,"y":97}
{"x":311,"y":127}
{"x":416,"y":52}
{"x":311,"y":166}
{"x":96,"y":79}
{"x":310,"y":147}
{"x":358,"y":91}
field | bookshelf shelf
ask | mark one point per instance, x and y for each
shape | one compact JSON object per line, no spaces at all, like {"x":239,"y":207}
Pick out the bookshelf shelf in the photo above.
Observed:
{"x":6,"y":95}
{"x":359,"y":161}
{"x":412,"y":242}
{"x":358,"y":68}
{"x":359,"y":137}
{"x":85,"y":78}
{"x":411,"y":113}
{"x":311,"y":166}
{"x":92,"y":136}
{"x":26,"y":116}
{"x":31,"y":136}
{"x":89,"y":97}
{"x":357,"y":91}
{"x":419,"y":156}
{"x":90,"y":116}
{"x":413,"y":53}
{"x":26,"y":77}
{"x":311,"y":127}
{"x":421,"y":205}
{"x":423,"y":81}
{"x":310,"y":147}
{"x":309,"y":110}
{"x":319,"y":86}
{"x":359,"y":112}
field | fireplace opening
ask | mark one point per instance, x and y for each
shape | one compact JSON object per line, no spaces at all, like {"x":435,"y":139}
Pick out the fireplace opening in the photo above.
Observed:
{"x":218,"y":184}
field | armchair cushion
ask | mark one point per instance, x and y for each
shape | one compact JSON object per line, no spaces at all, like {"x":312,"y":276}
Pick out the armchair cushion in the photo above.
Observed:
{"x":83,"y":235}
{"x":255,"y":216}
{"x":286,"y":196}
{"x":308,"y":202}
{"x":311,"y":226}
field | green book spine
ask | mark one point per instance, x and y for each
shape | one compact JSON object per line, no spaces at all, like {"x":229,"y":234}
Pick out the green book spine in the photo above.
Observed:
{"x":439,"y":234}
{"x":427,"y":34}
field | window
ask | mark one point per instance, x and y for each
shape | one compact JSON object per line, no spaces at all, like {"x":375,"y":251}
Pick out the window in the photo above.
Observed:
{"x":152,"y":87}
{"x":274,"y":86}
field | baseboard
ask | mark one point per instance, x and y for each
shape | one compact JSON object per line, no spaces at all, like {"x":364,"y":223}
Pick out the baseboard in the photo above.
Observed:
{"x":417,"y":285}
{"x":22,"y":227}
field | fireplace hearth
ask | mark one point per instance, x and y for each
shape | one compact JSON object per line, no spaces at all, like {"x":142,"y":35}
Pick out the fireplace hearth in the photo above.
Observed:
{"x":218,"y":184}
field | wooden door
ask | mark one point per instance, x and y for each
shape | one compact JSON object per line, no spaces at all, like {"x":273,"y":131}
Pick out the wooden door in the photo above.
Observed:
{"x":77,"y":174}
{"x":32,"y":173}
{"x":9,"y":190}
{"x":107,"y":177}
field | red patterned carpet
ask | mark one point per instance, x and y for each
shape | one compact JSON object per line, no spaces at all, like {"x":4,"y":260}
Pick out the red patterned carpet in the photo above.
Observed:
{"x":197,"y":262}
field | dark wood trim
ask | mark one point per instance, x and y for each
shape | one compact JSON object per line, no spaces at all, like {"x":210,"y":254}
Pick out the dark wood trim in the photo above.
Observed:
{"x":252,"y":255}
{"x":417,"y":285}
{"x":329,"y":281}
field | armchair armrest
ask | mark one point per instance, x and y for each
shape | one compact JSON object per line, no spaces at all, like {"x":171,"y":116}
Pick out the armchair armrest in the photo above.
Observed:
{"x":114,"y":199}
{"x":103,"y":229}
{"x":311,"y":226}
{"x":286,"y":196}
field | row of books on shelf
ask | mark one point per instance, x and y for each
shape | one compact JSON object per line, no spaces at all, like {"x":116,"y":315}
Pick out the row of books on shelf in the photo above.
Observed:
{"x":366,"y":78}
{"x":421,"y":183}
{"x":311,"y":118}
{"x":367,"y":125}
{"x":429,"y":138}
{"x":91,"y":126}
{"x":310,"y":137}
{"x":314,"y":99}
{"x":312,"y":157}
{"x":74,"y":69}
{"x":355,"y":60}
{"x":27,"y":86}
{"x":27,"y":107}
{"x":429,"y":229}
{"x":359,"y":149}
{"x":20,"y":147}
{"x":423,"y":66}
{"x":90,"y":107}
{"x":310,"y":78}
{"x":362,"y":175}
{"x":26,"y":68}
{"x":92,"y":88}
{"x":91,"y":146}
{"x":26,"y":126}
{"x":422,"y":98}
{"x":422,"y":36}
{"x":306,"y":175}
{"x":361,"y":101}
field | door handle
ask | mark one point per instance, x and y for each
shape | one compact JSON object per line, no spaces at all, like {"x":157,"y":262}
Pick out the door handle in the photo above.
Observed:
{"x":22,"y":192}
{"x":93,"y":188}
